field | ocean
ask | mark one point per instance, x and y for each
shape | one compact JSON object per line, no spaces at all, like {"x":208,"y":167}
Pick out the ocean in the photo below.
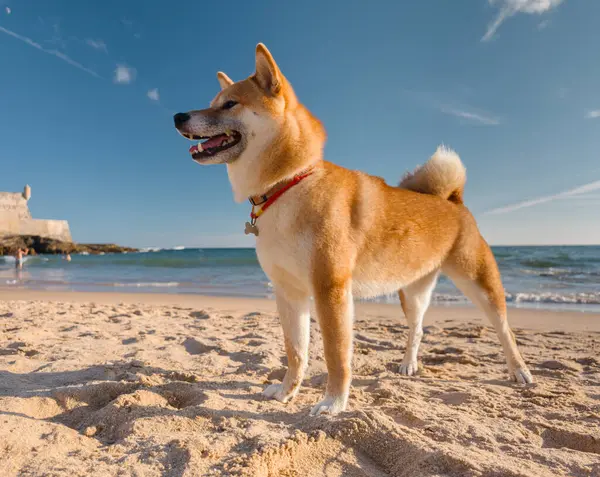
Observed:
{"x":564,"y":277}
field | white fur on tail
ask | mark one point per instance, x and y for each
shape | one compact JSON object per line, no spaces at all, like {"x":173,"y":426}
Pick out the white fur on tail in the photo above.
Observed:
{"x":443,"y":175}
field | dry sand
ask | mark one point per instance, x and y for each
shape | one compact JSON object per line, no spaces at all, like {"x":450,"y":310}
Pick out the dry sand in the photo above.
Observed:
{"x":149,"y":385}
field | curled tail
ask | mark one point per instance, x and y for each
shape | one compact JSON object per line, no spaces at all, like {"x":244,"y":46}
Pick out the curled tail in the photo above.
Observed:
{"x":443,"y":175}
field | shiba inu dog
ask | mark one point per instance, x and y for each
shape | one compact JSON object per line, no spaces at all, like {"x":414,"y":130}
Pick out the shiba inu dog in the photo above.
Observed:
{"x":334,"y":234}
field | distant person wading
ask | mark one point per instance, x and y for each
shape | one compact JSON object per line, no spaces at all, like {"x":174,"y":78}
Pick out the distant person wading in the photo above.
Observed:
{"x":19,"y":257}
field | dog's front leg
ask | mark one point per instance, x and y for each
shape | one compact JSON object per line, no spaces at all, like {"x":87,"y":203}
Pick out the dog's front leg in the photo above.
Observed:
{"x":294,"y":315}
{"x":335,"y":311}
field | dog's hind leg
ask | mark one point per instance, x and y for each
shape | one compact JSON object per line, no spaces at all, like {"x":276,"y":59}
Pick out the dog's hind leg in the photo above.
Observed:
{"x":294,"y":315}
{"x":475,"y":272}
{"x":415,"y":300}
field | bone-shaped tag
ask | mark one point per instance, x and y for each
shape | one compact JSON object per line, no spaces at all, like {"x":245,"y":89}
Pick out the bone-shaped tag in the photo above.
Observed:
{"x":251,"y":229}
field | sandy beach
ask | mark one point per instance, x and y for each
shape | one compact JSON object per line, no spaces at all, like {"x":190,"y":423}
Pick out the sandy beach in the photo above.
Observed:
{"x":146,"y":384}
{"x":437,"y":157}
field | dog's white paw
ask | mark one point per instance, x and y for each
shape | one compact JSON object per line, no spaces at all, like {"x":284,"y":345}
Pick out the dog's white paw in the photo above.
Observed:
{"x":330,"y":405}
{"x":522,"y":375}
{"x":409,"y":368}
{"x":276,"y":391}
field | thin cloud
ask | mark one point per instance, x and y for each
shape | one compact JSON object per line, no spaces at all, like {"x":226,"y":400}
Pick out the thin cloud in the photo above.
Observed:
{"x":585,"y":197}
{"x":97,"y":45}
{"x":591,"y":187}
{"x":446,"y":104}
{"x":593,"y":114}
{"x":8,"y":10}
{"x":471,"y":116}
{"x":543,"y":25}
{"x":53,"y":52}
{"x":124,"y":74}
{"x":153,"y":94}
{"x":509,"y":8}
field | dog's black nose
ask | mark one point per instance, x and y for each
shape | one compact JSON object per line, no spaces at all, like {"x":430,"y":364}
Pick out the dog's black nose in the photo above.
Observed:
{"x":181,"y":118}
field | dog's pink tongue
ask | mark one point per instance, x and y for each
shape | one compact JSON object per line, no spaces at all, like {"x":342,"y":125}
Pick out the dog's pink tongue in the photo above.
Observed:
{"x":214,"y":141}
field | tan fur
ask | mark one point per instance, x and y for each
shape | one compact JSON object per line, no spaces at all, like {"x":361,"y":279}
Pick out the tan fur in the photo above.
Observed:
{"x":341,"y":234}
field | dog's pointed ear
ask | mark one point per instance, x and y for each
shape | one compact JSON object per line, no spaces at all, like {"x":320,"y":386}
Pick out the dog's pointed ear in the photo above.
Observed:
{"x":267,"y":72}
{"x":224,"y":80}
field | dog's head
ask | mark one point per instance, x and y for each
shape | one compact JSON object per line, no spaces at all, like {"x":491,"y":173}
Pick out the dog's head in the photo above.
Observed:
{"x":256,"y":126}
{"x":243,"y":113}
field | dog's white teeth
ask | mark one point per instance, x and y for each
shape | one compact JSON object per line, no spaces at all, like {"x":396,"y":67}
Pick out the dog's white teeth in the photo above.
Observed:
{"x":228,"y":132}
{"x":200,"y":147}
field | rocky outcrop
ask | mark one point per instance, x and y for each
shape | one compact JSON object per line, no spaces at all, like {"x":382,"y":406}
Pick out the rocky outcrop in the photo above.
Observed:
{"x":42,"y":245}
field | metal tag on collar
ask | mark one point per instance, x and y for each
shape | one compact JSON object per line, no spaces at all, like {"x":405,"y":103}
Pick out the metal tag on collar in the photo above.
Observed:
{"x":251,"y":227}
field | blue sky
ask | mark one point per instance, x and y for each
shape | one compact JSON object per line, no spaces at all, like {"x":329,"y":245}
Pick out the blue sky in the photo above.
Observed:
{"x":87,"y":96}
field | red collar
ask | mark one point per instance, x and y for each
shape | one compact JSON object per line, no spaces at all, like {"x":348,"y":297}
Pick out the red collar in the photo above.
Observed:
{"x":261,"y":203}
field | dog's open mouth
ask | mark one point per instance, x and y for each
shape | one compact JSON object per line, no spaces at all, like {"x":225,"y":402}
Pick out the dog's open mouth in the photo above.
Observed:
{"x":212,"y":145}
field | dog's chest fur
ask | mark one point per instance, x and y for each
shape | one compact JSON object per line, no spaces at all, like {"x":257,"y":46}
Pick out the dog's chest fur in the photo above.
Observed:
{"x":284,"y":251}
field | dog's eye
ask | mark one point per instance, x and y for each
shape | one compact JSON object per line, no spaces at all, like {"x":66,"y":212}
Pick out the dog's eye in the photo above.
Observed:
{"x":229,"y":104}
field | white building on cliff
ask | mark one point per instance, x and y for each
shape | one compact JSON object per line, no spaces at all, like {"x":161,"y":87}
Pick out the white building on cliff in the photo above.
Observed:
{"x":15,"y":218}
